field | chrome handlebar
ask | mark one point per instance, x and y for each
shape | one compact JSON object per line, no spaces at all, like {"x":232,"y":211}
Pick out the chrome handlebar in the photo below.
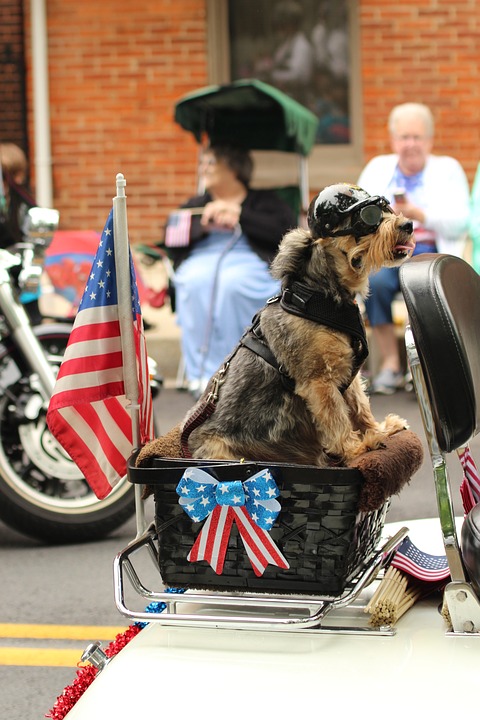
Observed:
{"x":38,"y":230}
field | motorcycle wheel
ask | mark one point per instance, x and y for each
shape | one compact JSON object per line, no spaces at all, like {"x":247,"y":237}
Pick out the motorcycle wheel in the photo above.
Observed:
{"x":42,"y":492}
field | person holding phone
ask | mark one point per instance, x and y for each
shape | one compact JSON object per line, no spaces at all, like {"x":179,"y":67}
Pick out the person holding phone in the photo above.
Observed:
{"x":431,"y":190}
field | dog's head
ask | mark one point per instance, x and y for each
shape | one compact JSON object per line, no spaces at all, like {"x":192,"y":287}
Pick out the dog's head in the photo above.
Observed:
{"x":349,"y":229}
{"x":363,"y":226}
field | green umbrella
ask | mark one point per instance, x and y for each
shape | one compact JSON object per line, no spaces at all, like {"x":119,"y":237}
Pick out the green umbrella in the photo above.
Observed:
{"x":250,"y":114}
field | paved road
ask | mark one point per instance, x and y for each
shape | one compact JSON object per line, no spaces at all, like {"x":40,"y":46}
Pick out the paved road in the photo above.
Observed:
{"x":60,"y":592}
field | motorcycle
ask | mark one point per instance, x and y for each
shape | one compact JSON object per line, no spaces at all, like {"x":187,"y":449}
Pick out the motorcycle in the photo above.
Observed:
{"x":42,"y":492}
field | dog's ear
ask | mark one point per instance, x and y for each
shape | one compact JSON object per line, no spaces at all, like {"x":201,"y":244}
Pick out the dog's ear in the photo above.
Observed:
{"x":294,"y":254}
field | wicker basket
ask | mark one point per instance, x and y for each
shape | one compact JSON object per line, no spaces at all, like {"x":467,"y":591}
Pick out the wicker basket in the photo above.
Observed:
{"x":319,"y":530}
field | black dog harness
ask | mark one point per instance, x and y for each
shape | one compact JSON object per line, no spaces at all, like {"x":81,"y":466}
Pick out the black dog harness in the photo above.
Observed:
{"x":254,"y":340}
{"x":299,"y":299}
{"x":321,"y":308}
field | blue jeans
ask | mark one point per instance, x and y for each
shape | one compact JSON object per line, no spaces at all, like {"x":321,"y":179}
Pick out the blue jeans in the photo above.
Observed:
{"x":384,"y":285}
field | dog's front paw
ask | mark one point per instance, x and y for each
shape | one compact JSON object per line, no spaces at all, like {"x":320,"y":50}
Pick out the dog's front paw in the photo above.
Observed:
{"x":372,"y":440}
{"x":393,"y":424}
{"x":355,"y":447}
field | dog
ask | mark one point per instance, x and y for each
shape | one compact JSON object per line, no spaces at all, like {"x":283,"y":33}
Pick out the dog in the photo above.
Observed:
{"x":291,"y":391}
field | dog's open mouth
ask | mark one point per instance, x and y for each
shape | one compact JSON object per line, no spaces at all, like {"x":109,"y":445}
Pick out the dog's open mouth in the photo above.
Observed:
{"x":404,"y":248}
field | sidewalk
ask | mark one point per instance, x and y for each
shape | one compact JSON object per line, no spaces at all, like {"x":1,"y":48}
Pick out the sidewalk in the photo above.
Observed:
{"x":163,"y":338}
{"x":163,"y":342}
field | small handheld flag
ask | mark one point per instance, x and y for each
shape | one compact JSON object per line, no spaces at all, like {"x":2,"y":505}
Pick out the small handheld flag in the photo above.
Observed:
{"x":470,"y":487}
{"x":178,"y":229}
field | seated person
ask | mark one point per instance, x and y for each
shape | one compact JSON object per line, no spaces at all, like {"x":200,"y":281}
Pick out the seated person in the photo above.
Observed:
{"x":15,"y":202}
{"x":15,"y":199}
{"x":221,"y":259}
{"x":431,"y":190}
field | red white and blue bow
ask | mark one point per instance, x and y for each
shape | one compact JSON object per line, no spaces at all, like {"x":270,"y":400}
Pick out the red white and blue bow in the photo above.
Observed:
{"x":251,"y":504}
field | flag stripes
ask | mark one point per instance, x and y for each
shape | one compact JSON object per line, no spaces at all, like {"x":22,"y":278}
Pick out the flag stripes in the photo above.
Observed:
{"x":258,"y":544}
{"x":102,"y":470}
{"x":470,"y":487}
{"x":88,"y":412}
{"x":211,"y":544}
{"x":178,"y":229}
{"x":421,"y":565}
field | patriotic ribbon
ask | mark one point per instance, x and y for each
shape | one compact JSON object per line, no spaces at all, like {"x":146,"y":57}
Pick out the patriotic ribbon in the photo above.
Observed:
{"x":470,"y":487}
{"x":252,"y":505}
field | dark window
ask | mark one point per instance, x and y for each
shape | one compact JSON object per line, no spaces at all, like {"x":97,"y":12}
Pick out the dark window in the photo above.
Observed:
{"x":301,"y":47}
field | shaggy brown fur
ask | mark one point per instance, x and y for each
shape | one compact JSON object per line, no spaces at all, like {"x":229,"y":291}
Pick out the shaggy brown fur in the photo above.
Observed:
{"x":256,"y":417}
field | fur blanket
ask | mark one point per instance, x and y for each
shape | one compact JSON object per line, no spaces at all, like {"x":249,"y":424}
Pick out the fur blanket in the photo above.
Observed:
{"x":385,"y":470}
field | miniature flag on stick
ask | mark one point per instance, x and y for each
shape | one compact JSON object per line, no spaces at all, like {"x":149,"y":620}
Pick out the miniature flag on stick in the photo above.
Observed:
{"x":178,"y":229}
{"x":420,"y":565}
{"x":412,"y":575}
{"x":470,"y":487}
{"x":101,"y":405}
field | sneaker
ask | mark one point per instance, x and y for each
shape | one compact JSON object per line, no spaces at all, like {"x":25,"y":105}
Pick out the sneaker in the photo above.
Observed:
{"x":387,"y":382}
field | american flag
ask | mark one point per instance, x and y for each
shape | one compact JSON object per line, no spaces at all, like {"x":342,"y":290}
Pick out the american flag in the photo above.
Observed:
{"x":88,"y":410}
{"x":420,"y":565}
{"x":178,"y":229}
{"x":470,"y":487}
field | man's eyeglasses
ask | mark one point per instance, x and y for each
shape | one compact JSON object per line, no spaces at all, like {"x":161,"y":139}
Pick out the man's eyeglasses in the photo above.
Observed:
{"x":411,"y":138}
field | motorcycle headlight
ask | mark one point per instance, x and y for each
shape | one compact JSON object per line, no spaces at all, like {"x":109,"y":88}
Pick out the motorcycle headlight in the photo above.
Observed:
{"x":40,"y":225}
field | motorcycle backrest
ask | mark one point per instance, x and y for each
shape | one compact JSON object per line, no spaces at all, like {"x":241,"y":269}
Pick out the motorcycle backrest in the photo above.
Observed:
{"x":442,"y":295}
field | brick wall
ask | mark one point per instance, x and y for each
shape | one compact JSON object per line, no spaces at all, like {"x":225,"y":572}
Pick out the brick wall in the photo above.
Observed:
{"x":117,"y":68}
{"x":12,"y":71}
{"x":423,"y":51}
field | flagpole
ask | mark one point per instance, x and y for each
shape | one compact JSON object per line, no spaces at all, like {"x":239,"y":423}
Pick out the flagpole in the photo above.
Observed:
{"x":124,"y":300}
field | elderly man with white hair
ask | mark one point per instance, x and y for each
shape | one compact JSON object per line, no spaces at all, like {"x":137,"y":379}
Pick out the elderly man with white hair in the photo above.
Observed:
{"x":432,"y":190}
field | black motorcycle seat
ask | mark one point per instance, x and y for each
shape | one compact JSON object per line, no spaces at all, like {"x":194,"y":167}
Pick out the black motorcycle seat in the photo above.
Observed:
{"x":442,"y":295}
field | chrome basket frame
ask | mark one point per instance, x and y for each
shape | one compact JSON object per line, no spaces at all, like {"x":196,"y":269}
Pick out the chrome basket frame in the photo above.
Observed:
{"x":266,"y":612}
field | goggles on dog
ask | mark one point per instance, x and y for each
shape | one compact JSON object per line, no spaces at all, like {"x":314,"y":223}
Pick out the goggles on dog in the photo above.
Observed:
{"x":366,"y":215}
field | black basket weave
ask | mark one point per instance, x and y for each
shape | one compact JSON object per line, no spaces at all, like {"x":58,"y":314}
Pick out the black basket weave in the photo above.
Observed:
{"x":320,"y":531}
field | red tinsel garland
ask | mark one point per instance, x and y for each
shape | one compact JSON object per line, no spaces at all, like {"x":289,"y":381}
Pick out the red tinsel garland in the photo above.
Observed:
{"x":86,"y":675}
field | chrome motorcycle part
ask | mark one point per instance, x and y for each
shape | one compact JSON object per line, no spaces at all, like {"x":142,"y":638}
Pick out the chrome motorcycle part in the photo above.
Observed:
{"x":42,"y":492}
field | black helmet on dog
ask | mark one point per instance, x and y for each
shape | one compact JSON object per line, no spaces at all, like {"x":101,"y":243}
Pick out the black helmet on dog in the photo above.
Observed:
{"x":337,"y":202}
